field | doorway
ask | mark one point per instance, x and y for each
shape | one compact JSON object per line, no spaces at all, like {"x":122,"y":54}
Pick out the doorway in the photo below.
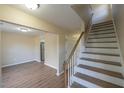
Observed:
{"x":42,"y":52}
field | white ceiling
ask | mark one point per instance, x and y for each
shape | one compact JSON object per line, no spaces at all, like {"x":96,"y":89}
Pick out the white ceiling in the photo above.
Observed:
{"x":61,"y":15}
{"x":8,"y":27}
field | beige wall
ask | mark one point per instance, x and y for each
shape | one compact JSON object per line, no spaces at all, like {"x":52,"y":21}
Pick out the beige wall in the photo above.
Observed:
{"x":52,"y":50}
{"x":58,"y":48}
{"x":118,"y":15}
{"x":119,"y":22}
{"x":55,"y":51}
{"x":18,"y":48}
{"x":66,"y":44}
{"x":37,"y":40}
{"x":0,"y":56}
{"x":71,"y":39}
{"x":84,"y":11}
{"x":14,"y":15}
{"x":61,"y":53}
{"x":102,"y":12}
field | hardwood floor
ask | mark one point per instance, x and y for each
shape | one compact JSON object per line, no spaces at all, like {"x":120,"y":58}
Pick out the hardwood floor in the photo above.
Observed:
{"x":31,"y":75}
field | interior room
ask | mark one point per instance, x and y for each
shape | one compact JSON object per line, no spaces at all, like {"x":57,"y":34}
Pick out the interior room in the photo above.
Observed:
{"x":33,"y":35}
{"x":23,"y":54}
{"x":61,"y":45}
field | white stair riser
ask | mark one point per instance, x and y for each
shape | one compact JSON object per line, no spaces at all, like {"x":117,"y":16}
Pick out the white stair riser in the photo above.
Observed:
{"x":103,"y":57}
{"x":101,"y":66}
{"x":102,"y":39}
{"x":101,"y":50}
{"x":102,"y":44}
{"x":104,"y":77}
{"x":101,"y":35}
{"x":85,"y":83}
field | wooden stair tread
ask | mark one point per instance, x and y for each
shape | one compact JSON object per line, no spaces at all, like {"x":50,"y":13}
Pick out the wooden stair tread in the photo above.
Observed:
{"x":101,"y":61}
{"x":103,"y":23}
{"x":77,"y":85}
{"x":110,"y":73}
{"x":96,"y":33}
{"x":93,"y":27}
{"x":102,"y":33}
{"x":96,"y":81}
{"x":101,"y":37}
{"x":102,"y":42}
{"x":103,"y":47}
{"x":101,"y":54}
{"x":102,"y":30}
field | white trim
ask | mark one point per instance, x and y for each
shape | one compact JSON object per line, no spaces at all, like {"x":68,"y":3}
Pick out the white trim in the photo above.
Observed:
{"x":37,"y":60}
{"x":18,"y":63}
{"x":50,"y":66}
{"x":58,"y":74}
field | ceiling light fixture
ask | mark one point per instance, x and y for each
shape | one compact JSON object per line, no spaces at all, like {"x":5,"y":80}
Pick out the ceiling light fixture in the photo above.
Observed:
{"x":24,"y":29}
{"x":32,"y":6}
{"x":1,"y":23}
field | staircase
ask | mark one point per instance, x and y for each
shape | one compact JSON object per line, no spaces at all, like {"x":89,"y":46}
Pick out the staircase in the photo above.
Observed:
{"x":99,"y":64}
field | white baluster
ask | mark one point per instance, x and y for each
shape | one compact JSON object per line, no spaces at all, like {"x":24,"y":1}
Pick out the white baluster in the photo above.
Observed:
{"x":68,"y":76}
{"x":73,"y":65}
{"x":70,"y":70}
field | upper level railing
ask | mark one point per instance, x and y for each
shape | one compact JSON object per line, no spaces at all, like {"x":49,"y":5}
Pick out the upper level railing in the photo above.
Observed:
{"x":71,"y":62}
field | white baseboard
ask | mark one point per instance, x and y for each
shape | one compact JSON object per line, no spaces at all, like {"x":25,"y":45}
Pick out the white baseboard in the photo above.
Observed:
{"x":58,"y":74}
{"x":37,"y":60}
{"x":50,"y":66}
{"x":17,"y":63}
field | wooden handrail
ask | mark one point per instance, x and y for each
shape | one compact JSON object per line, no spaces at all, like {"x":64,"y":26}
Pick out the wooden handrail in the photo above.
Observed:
{"x":74,"y":48}
{"x":67,"y":62}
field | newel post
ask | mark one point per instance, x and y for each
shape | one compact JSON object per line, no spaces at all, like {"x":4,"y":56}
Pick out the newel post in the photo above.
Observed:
{"x":65,"y":73}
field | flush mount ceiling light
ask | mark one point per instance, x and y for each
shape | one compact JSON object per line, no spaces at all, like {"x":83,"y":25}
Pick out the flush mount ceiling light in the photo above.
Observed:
{"x":1,"y":23}
{"x":24,"y":29}
{"x":32,"y":6}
